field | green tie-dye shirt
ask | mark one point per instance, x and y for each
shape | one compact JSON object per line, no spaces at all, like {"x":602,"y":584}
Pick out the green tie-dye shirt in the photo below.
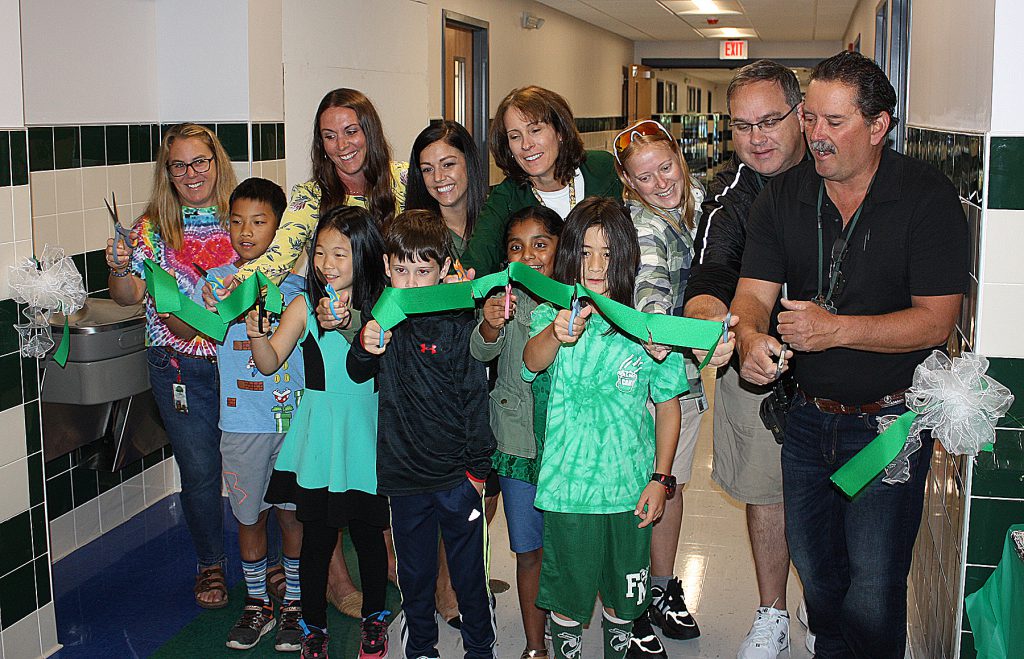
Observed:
{"x":599,"y":444}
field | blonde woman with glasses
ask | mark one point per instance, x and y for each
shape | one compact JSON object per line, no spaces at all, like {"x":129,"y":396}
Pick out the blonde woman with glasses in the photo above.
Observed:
{"x":664,"y":202}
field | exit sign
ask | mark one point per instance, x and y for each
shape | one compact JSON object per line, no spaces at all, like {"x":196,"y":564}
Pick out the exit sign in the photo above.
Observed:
{"x":734,"y":49}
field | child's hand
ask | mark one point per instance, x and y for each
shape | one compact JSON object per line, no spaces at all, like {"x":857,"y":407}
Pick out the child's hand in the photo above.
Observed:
{"x":561,"y":324}
{"x":454,"y":277}
{"x":371,"y":338}
{"x":653,"y":498}
{"x":494,"y":310}
{"x":252,"y":324}
{"x":230,"y":284}
{"x":327,"y":319}
{"x":657,"y":351}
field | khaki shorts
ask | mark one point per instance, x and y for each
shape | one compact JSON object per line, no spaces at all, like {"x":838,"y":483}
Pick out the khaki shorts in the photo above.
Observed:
{"x":747,"y":461}
{"x":689,"y":431}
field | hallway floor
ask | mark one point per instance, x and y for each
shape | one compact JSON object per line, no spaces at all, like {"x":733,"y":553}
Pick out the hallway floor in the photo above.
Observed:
{"x":110,"y":604}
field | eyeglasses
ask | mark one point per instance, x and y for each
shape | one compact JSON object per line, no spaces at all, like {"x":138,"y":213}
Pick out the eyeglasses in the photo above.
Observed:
{"x":646,"y":127}
{"x":199,"y":166}
{"x":766,"y":125}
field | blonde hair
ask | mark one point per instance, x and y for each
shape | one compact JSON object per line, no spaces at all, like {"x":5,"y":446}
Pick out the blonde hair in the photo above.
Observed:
{"x":164,"y":208}
{"x":630,"y":193}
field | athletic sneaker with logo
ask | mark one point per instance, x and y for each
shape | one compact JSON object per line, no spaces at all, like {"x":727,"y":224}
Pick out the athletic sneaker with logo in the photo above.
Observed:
{"x":645,"y":644}
{"x":768,"y":636}
{"x":373,"y":636}
{"x":668,"y":611}
{"x":256,"y":620}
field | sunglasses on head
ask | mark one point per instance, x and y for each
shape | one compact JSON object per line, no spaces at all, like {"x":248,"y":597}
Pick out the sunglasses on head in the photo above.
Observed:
{"x":647,"y":127}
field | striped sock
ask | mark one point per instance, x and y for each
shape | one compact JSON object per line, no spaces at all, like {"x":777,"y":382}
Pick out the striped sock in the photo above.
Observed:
{"x":291,"y":576}
{"x":256,"y":579}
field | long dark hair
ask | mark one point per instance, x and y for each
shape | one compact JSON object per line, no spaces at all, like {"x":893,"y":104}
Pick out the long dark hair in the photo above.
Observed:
{"x":368,"y":277}
{"x":620,"y":234}
{"x":380,"y":198}
{"x":456,"y":136}
{"x":538,"y":104}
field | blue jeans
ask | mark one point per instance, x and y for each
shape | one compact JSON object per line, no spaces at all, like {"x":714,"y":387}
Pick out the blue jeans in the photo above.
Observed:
{"x":195,"y":439}
{"x":853,"y":556}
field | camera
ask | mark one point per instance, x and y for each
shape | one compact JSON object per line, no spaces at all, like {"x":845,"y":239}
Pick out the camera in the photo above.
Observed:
{"x":775,"y":406}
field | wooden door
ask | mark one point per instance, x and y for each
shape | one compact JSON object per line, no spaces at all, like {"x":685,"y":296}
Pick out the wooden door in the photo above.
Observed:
{"x":458,"y":75}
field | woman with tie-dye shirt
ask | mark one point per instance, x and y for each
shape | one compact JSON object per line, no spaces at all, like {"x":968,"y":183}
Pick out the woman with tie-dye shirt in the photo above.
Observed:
{"x":352,"y":166}
{"x":184,"y":226}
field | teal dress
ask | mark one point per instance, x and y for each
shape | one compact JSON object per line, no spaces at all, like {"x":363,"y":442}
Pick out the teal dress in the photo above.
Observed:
{"x":327,"y":466}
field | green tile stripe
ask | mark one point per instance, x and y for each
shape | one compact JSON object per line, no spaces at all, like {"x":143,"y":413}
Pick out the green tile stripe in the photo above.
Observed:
{"x":45,"y":148}
{"x":1006,"y":155}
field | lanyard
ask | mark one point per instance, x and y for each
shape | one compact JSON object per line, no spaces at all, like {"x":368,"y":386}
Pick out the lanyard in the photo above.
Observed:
{"x":825,"y":301}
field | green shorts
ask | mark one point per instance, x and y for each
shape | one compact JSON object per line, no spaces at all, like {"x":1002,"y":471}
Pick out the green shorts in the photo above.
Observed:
{"x":589,"y":554}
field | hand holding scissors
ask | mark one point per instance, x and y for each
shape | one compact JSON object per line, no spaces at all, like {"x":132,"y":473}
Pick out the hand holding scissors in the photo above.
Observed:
{"x":122,"y":236}
{"x":214,"y":282}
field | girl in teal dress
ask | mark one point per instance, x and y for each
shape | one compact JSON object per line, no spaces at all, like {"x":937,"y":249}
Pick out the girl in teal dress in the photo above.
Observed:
{"x":327,"y":464}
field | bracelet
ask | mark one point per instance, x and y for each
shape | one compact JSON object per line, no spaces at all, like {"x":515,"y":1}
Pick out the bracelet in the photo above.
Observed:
{"x":120,"y":273}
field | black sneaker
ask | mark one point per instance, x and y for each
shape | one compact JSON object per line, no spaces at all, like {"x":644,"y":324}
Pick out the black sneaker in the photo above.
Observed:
{"x":289,"y":632}
{"x":257,"y":619}
{"x":373,"y":636}
{"x":644,"y":643}
{"x":314,"y":643}
{"x":668,"y":611}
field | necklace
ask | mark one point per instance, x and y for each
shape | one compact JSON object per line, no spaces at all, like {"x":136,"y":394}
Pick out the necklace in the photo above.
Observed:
{"x":572,"y":193}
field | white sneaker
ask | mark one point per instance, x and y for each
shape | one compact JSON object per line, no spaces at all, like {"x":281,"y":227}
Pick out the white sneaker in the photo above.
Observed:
{"x":768,"y":636}
{"x":801,"y":615}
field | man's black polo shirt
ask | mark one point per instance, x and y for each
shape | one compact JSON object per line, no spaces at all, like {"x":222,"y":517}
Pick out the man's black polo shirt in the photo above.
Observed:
{"x":911,"y":240}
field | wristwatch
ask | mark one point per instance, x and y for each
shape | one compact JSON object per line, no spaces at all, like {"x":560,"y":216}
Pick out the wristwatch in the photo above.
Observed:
{"x":668,"y":480}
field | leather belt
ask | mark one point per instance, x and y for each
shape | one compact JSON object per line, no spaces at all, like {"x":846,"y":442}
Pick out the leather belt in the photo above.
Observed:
{"x":835,"y":407}
{"x":177,"y":353}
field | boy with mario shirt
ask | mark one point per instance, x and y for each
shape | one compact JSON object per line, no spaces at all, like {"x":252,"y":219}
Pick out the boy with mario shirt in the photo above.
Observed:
{"x":254,"y":417}
{"x":434,"y":441}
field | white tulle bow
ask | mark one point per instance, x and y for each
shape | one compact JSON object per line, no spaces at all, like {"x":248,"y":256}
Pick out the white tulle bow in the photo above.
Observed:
{"x":51,"y":284}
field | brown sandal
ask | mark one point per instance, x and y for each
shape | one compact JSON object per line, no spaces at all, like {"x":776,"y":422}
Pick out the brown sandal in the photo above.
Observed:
{"x":277,"y":583}
{"x":211,"y":579}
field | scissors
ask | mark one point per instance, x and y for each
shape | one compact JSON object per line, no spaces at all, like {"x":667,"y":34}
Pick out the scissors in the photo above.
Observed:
{"x":261,"y":308}
{"x":331,"y":293}
{"x":508,"y":301}
{"x":214,"y":282}
{"x":122,"y":236}
{"x":574,"y":310}
{"x":725,"y":327}
{"x":782,"y":360}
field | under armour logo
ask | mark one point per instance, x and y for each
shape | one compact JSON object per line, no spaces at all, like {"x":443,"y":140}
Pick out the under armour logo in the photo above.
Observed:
{"x":432,"y":348}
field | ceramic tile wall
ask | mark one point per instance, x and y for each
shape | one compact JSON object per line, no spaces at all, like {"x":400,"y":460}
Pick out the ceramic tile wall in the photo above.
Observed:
{"x":996,"y":492}
{"x":938,"y":566}
{"x":1002,"y":281}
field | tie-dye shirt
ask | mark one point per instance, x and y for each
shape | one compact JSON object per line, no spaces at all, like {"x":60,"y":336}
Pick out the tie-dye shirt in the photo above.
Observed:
{"x":599,"y":444}
{"x":204,"y":242}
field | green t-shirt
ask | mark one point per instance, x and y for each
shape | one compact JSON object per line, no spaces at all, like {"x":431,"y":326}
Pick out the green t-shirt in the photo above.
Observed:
{"x":599,"y":444}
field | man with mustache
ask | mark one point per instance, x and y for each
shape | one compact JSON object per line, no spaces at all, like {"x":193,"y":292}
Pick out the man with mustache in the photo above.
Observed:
{"x":763,"y":100}
{"x":872,"y":247}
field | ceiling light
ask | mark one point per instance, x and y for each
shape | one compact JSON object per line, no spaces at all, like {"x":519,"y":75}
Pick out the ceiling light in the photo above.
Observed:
{"x":706,"y":6}
{"x":730,"y":32}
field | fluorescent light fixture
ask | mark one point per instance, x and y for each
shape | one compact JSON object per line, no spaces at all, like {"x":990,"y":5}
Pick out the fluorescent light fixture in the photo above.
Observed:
{"x":730,"y":32}
{"x":701,"y":7}
{"x":706,"y":6}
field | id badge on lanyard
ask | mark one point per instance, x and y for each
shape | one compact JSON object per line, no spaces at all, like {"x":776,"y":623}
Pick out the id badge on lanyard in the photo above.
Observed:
{"x":178,"y":393}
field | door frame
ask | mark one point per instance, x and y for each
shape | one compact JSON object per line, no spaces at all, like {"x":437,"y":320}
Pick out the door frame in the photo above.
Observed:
{"x":898,"y":65}
{"x":481,"y":56}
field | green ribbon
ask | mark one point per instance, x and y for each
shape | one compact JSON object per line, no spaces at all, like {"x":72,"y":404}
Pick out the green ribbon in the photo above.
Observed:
{"x":167,"y":298}
{"x":243,"y":297}
{"x":396,"y":304}
{"x":61,"y":354}
{"x":873,"y":458}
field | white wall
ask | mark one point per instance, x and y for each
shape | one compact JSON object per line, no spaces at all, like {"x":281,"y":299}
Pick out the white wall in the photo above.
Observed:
{"x":951,"y":64}
{"x":862,"y":22}
{"x":11,"y":99}
{"x":340,"y":43}
{"x":202,"y":60}
{"x":266,"y":72}
{"x":89,"y":62}
{"x":1007,"y":19}
{"x":708,"y":48}
{"x":581,"y":62}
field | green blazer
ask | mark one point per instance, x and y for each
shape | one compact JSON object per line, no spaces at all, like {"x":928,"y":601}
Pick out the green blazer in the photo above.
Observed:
{"x":486,"y":250}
